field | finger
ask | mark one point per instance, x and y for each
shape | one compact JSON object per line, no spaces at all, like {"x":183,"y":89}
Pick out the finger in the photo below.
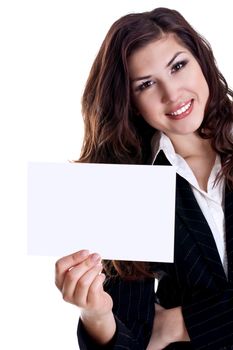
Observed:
{"x":77,"y":290}
{"x":84,"y":266}
{"x":67,"y":262}
{"x":95,"y":289}
{"x":158,"y":308}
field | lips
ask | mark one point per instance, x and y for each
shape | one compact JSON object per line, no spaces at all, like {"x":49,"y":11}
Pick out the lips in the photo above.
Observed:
{"x":181,"y":111}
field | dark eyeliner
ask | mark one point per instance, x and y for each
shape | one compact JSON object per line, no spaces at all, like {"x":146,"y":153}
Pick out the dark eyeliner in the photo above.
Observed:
{"x":182,"y":63}
{"x":144,"y":85}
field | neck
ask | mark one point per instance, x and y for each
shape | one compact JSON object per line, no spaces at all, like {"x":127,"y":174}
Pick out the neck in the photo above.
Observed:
{"x":198,"y":154}
{"x":192,"y":146}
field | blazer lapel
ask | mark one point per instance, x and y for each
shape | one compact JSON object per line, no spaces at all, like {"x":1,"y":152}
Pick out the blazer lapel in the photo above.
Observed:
{"x":192,"y":217}
{"x":190,"y":213}
{"x":229,"y":230}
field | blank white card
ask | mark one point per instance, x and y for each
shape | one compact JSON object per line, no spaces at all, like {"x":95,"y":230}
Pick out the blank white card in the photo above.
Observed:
{"x":123,"y":212}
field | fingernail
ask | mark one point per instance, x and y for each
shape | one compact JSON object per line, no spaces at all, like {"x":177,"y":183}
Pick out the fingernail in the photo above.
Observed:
{"x":84,"y":252}
{"x":95,"y":257}
{"x":99,"y":268}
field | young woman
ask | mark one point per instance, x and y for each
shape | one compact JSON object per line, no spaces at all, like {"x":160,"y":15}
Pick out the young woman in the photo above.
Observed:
{"x":155,"y":96}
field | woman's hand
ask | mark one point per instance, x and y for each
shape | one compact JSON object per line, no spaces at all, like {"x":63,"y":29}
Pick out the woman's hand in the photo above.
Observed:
{"x":79,"y":278}
{"x":168,"y":328}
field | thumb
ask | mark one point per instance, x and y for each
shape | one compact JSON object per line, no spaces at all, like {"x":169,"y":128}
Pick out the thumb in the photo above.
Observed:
{"x":158,"y":308}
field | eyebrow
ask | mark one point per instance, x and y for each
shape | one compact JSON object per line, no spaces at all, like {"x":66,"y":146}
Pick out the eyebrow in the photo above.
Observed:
{"x":141,"y":78}
{"x":174,"y":57}
{"x":167,"y":65}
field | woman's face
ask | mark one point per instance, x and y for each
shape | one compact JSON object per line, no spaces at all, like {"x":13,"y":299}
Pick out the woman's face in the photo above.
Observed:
{"x":168,"y":86}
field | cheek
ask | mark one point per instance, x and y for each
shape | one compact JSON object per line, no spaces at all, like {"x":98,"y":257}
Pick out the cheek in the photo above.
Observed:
{"x":203,"y":91}
{"x":149,"y":106}
{"x":207,"y":91}
{"x":153,"y":118}
{"x":151,"y":113}
{"x":201,"y":84}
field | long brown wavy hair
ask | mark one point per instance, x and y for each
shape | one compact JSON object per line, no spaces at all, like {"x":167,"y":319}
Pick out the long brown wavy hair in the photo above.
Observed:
{"x":113,"y":131}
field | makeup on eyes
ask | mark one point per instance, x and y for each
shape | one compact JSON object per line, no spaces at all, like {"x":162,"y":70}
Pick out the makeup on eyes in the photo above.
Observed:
{"x":145,"y":85}
{"x":177,"y":66}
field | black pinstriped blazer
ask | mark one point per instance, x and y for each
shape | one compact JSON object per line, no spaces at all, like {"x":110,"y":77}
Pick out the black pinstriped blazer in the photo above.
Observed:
{"x":196,"y":281}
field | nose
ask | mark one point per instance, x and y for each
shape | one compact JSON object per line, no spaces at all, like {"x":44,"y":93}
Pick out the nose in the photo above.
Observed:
{"x":169,"y":92}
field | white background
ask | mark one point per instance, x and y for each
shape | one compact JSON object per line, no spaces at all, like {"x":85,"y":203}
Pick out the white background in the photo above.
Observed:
{"x":46,"y":49}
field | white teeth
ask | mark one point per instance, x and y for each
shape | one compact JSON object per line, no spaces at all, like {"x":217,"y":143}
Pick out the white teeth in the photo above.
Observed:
{"x":181,"y":110}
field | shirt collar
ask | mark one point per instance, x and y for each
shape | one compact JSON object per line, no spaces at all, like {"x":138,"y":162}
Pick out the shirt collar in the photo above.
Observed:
{"x":160,"y":141}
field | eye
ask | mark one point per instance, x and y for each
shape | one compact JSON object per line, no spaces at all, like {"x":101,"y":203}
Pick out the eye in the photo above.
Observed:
{"x":178,"y":66}
{"x":145,"y":85}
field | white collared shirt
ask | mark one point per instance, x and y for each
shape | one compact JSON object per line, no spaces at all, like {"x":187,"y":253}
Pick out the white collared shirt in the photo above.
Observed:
{"x":210,"y":202}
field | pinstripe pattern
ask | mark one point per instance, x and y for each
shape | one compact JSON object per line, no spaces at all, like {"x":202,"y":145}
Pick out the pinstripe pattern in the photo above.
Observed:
{"x":208,"y":301}
{"x":229,"y":231}
{"x":134,"y":307}
{"x":190,"y":214}
{"x":196,"y":281}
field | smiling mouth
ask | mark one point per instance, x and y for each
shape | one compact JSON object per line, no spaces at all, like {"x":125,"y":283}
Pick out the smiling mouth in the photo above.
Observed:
{"x":182,"y":112}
